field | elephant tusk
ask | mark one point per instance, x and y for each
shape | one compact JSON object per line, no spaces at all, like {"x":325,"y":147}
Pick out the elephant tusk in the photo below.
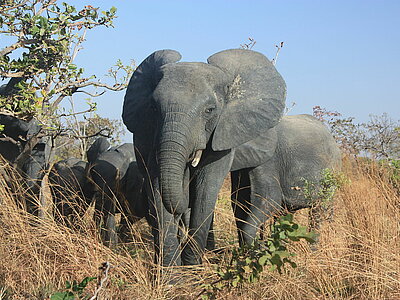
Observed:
{"x":197,"y":158}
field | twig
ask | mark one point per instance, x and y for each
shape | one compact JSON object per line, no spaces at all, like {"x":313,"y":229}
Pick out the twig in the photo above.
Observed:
{"x":100,"y":133}
{"x":278,"y":49}
{"x":249,"y":45}
{"x":92,"y":95}
{"x":105,"y":267}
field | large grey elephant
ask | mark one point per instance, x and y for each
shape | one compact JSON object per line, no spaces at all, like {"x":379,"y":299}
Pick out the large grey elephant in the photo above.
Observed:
{"x":299,"y":148}
{"x":187,"y":120}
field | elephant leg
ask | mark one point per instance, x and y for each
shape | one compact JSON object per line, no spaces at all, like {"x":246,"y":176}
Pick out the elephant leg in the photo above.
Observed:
{"x":111,"y":236}
{"x":241,"y":193}
{"x":210,"y":244}
{"x":185,"y":221}
{"x":206,"y":184}
{"x":265,"y":200}
{"x":104,"y":216}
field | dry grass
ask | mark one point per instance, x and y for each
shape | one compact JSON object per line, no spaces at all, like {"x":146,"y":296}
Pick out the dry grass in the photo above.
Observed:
{"x":358,"y":256}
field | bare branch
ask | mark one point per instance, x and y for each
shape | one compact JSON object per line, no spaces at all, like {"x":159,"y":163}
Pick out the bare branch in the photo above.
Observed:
{"x":57,"y":101}
{"x":84,"y":83}
{"x":77,"y":113}
{"x":98,"y":133}
{"x":92,"y":95}
{"x":77,"y":48}
{"x":8,"y":139}
{"x":10,"y":75}
{"x":278,"y":49}
{"x":13,"y":7}
{"x":105,"y":267}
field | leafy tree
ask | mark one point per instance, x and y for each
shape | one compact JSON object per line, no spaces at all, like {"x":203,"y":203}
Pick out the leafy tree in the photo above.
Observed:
{"x":44,"y":37}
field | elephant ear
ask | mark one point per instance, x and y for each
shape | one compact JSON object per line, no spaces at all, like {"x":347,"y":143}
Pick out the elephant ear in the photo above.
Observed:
{"x":141,"y":86}
{"x":255,"y":97}
{"x":99,"y":146}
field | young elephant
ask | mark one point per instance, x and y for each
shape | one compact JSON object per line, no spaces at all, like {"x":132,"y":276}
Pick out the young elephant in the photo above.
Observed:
{"x":301,"y":147}
{"x":70,"y":185}
{"x":119,"y":187}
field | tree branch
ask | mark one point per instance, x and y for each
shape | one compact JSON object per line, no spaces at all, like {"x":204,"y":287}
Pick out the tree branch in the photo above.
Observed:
{"x":11,"y":75}
{"x":90,"y":94}
{"x":115,"y":87}
{"x":20,"y":43}
{"x":44,"y":7}
{"x":98,"y":133}
{"x":8,"y":139}
{"x":15,"y":6}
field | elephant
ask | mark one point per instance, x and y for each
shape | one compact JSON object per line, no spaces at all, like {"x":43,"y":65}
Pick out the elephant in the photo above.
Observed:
{"x":298,"y":148}
{"x":71,"y":186}
{"x":30,"y":154}
{"x":116,"y":177}
{"x":187,"y":118}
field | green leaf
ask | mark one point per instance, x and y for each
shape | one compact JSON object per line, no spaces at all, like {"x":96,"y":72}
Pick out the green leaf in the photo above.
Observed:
{"x":263,"y":259}
{"x":68,"y":284}
{"x":85,"y":282}
{"x":282,"y":254}
{"x":62,"y":296}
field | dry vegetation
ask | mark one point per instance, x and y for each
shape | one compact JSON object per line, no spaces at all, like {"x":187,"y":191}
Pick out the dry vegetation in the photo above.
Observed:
{"x":358,"y":256}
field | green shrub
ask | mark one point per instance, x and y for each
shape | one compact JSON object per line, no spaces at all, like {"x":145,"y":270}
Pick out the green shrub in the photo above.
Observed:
{"x":249,"y":261}
{"x":74,"y":290}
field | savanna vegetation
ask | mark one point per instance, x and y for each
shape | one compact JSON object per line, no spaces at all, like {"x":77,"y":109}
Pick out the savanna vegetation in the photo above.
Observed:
{"x":357,"y":255}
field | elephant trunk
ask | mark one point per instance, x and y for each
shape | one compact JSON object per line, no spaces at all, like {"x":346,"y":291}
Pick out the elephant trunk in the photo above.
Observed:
{"x":173,"y":155}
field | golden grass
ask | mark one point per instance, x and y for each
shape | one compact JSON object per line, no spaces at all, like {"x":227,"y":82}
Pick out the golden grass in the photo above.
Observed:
{"x":358,"y":256}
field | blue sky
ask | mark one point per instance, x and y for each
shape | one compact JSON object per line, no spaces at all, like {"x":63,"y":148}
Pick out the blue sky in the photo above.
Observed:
{"x":341,"y":55}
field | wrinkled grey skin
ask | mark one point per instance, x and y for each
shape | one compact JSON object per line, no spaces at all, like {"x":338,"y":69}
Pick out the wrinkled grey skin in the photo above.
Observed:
{"x":119,"y":185}
{"x":175,"y":109}
{"x":71,"y":190}
{"x":70,"y":185}
{"x":299,"y":147}
{"x":31,"y":164}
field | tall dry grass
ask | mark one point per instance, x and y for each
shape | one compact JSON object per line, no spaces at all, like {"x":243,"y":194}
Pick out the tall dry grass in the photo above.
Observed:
{"x":358,"y":256}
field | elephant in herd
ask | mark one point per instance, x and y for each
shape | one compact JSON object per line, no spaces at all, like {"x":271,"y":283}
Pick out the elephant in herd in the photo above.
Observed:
{"x":194,"y":123}
{"x":110,"y":177}
{"x":30,"y":159}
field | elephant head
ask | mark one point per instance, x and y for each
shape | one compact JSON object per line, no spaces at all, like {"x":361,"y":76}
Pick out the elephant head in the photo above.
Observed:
{"x":190,"y":107}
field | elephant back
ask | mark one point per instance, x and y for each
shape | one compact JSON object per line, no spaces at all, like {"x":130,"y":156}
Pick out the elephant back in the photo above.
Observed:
{"x":306,"y":148}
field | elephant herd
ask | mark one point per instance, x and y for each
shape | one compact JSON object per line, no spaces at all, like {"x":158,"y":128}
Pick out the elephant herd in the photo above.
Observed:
{"x":110,"y":178}
{"x":194,"y":123}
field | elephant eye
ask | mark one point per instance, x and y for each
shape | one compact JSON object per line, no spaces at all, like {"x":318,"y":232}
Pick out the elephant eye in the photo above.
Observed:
{"x":209,"y":109}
